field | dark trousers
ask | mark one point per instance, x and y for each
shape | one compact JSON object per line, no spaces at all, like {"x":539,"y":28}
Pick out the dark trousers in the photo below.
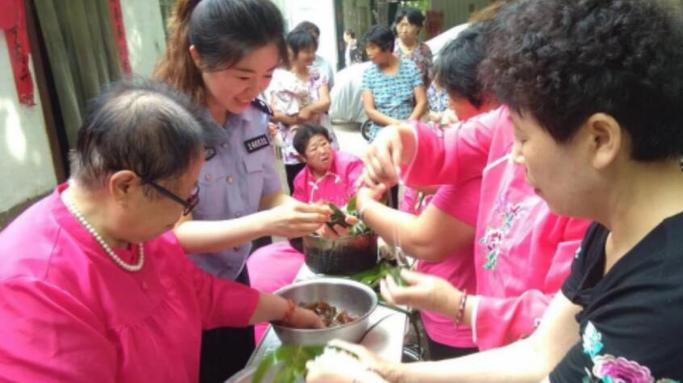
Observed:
{"x":292,"y":170}
{"x":440,"y":351}
{"x":226,"y":350}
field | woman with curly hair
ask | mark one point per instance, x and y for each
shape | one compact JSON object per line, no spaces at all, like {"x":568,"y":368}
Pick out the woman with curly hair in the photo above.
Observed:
{"x":595,"y":93}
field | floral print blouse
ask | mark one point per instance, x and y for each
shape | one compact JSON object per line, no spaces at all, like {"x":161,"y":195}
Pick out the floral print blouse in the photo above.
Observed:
{"x":421,"y":56}
{"x":288,"y":94}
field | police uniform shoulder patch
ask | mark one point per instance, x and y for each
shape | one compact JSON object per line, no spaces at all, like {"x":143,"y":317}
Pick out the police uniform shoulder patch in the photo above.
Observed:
{"x":256,"y":143}
{"x":262,"y":106}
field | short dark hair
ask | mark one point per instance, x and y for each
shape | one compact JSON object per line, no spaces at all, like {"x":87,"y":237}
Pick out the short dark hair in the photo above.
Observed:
{"x":141,"y":126}
{"x":562,"y":61}
{"x":413,"y":15}
{"x":300,"y":40}
{"x":309,"y":27}
{"x":381,"y":36}
{"x":225,"y":31}
{"x":304,"y":134}
{"x":457,"y":67}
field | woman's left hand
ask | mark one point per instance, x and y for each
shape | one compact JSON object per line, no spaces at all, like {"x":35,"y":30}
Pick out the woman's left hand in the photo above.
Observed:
{"x":423,"y":292}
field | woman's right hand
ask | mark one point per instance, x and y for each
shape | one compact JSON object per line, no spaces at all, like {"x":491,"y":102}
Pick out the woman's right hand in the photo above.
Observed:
{"x":305,"y":318}
{"x":305,"y":114}
{"x":293,"y":218}
{"x":393,"y":147}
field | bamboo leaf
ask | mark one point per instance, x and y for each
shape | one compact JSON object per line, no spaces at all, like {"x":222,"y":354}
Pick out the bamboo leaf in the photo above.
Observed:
{"x":264,"y":366}
{"x":396,"y":274}
{"x":351,"y":205}
{"x":338,"y":217}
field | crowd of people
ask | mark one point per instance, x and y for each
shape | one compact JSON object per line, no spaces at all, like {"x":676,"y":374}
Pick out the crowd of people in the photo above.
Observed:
{"x":540,"y":157}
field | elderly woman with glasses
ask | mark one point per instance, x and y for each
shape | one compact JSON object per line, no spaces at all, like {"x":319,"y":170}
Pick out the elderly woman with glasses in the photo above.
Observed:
{"x":94,"y":286}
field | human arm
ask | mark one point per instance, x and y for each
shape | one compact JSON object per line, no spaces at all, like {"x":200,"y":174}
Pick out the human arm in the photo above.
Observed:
{"x":420,"y":103}
{"x":527,"y":360}
{"x":375,"y":115}
{"x":228,"y":303}
{"x":431,"y":236}
{"x":281,"y":216}
{"x":429,"y":156}
{"x":274,"y":308}
{"x":419,"y":86}
{"x":285,"y":118}
{"x":320,"y":106}
{"x":500,"y":320}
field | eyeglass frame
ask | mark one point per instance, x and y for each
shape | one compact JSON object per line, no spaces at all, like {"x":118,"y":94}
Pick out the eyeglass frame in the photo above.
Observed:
{"x":188,"y":204}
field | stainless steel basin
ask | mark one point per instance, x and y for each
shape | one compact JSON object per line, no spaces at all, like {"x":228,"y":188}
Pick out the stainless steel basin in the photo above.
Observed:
{"x":353,"y":297}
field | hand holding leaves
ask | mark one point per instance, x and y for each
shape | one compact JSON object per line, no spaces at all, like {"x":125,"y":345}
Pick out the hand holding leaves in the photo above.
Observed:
{"x":421,"y":291}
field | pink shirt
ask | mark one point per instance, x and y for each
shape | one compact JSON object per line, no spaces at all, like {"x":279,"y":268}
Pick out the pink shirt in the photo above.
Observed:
{"x":462,"y":203}
{"x":523,"y":252}
{"x":337,"y":186}
{"x":68,"y":313}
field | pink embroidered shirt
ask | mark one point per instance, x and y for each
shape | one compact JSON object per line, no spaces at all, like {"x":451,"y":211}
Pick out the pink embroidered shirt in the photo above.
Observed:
{"x":68,"y":313}
{"x":460,"y":202}
{"x":337,"y":185}
{"x":523,"y":252}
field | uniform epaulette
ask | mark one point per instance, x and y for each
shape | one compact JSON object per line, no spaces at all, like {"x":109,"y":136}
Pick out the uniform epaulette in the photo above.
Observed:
{"x":262,"y":106}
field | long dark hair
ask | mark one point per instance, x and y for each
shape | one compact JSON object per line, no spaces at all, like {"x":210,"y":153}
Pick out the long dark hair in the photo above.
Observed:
{"x":223,"y":32}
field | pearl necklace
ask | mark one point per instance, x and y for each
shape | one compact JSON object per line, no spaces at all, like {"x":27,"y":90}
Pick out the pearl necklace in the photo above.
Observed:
{"x":107,"y":249}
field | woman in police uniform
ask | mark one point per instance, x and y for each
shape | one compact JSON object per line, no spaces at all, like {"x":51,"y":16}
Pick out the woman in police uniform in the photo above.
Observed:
{"x":222,"y":53}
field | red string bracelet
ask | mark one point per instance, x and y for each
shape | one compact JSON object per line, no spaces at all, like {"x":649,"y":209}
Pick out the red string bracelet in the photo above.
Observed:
{"x":460,"y":315}
{"x":291,"y":307}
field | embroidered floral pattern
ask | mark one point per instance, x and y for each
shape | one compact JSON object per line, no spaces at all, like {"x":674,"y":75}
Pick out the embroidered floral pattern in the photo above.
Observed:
{"x":493,"y":237}
{"x":609,"y":368}
{"x":592,"y":340}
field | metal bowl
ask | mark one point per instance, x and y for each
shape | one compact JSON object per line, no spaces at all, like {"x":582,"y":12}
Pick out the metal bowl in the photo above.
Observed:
{"x":342,"y":256}
{"x":353,"y":297}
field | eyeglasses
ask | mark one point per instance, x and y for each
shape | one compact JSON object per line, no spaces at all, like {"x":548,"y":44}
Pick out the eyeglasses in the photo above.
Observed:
{"x":189,"y":204}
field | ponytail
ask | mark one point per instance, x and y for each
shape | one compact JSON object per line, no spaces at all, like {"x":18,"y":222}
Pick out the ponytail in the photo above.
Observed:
{"x":176,"y":66}
{"x":223,"y":32}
